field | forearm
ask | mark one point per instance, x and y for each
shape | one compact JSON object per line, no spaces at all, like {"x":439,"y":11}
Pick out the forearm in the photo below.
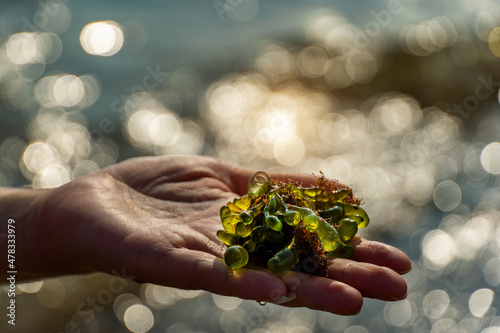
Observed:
{"x":21,"y":253}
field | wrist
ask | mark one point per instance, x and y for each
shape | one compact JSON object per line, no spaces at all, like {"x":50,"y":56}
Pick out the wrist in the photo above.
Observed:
{"x":30,"y":255}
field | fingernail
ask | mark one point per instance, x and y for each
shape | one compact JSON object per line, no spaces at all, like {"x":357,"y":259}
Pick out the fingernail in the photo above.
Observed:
{"x":283,"y":299}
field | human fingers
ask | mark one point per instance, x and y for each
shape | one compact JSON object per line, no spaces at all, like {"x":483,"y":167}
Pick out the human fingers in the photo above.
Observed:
{"x":189,"y":269}
{"x":370,"y":280}
{"x":319,"y":293}
{"x":380,"y":254}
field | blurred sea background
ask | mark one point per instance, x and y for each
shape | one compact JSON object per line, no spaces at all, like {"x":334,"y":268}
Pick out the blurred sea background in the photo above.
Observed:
{"x":400,"y":99}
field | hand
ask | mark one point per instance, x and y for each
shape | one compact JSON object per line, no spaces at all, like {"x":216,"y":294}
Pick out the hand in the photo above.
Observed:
{"x":157,"y":218}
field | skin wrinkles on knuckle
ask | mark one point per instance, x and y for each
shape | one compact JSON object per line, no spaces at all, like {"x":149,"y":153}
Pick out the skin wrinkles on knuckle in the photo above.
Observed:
{"x":161,"y":245}
{"x":363,"y":271}
{"x":337,"y":268}
{"x":178,"y":236}
{"x":213,"y":247}
{"x":195,"y":278}
{"x":384,"y":282}
{"x":344,"y":269}
{"x":198,"y":281}
{"x":382,"y":254}
{"x":382,"y":250}
{"x":189,"y":237}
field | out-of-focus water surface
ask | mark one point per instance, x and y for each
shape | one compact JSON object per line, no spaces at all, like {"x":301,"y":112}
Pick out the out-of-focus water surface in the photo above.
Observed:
{"x":398,"y":98}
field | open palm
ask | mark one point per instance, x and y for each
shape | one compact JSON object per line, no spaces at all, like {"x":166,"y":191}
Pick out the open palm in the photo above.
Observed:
{"x":157,"y":218}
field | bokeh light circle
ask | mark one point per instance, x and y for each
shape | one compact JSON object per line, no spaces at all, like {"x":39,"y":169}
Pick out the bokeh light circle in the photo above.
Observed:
{"x":103,"y":38}
{"x":226,"y":303}
{"x":447,"y":195}
{"x":494,"y":41}
{"x":22,"y":49}
{"x":68,"y":90}
{"x":138,"y":318}
{"x":38,"y":156}
{"x":435,"y":303}
{"x":490,"y":158}
{"x":30,"y":287}
{"x":398,"y":314}
{"x":439,"y":248}
{"x":492,"y":271}
{"x":289,"y":150}
{"x":52,"y":294}
{"x":241,"y":10}
{"x":480,"y":301}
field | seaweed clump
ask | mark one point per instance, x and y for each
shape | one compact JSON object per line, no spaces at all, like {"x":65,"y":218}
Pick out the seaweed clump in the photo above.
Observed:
{"x":283,"y":226}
